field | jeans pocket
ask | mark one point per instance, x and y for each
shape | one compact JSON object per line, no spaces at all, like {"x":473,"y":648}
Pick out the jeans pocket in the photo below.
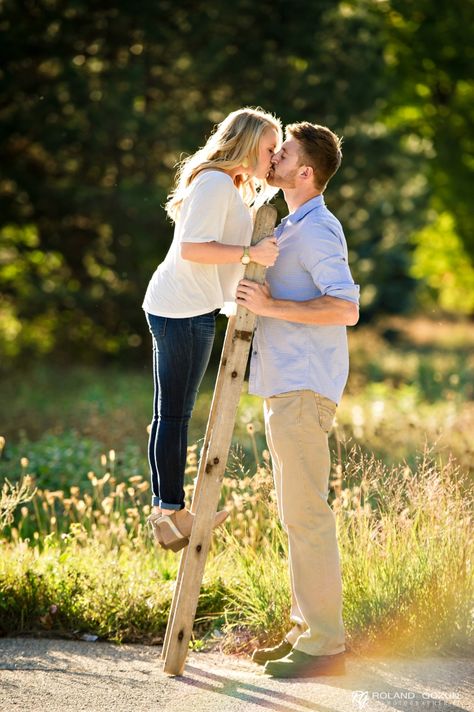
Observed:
{"x":157,"y":325}
{"x":326,"y":412}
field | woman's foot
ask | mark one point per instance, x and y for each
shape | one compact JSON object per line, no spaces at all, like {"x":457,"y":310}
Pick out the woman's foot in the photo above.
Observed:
{"x":172,"y":530}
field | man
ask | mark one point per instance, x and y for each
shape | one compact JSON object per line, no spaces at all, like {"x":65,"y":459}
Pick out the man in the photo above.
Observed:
{"x":299,"y":366}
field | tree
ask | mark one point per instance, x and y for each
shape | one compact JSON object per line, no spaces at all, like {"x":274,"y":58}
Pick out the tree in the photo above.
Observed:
{"x":430,"y":64}
{"x":99,"y":103}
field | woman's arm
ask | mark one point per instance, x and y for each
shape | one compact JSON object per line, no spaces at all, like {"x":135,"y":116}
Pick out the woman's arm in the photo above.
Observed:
{"x":216,"y":253}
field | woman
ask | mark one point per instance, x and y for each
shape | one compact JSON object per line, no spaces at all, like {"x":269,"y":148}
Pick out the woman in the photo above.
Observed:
{"x":211,"y":208}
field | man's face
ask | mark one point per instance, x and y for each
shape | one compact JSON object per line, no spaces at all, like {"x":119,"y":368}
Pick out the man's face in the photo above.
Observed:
{"x":285,"y":165}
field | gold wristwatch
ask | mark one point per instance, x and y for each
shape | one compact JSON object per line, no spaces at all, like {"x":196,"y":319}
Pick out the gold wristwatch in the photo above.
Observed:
{"x":245,"y":259}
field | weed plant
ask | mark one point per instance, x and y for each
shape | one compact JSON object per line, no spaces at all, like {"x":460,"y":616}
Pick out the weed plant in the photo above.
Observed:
{"x":75,"y":562}
{"x":76,"y":557}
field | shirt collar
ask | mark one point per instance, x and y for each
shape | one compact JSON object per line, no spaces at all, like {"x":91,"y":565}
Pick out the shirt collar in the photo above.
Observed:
{"x":306,"y":208}
{"x":300,"y":212}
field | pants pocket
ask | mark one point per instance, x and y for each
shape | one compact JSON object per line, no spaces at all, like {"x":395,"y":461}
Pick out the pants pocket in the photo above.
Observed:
{"x":326,"y":412}
{"x":287,"y":409}
{"x":157,"y":325}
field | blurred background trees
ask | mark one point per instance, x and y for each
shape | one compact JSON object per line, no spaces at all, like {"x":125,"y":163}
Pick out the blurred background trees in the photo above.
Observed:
{"x":101,"y":99}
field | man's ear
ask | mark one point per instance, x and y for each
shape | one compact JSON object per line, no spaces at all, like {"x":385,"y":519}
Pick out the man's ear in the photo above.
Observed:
{"x":306,"y":172}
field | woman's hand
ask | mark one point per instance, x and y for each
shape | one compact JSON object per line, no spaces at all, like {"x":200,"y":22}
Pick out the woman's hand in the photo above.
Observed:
{"x":265,"y":252}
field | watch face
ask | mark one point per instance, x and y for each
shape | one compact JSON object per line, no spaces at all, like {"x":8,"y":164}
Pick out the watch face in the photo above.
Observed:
{"x":245,"y":260}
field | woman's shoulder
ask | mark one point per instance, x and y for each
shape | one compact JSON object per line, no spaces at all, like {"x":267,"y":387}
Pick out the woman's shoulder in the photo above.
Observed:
{"x":211,"y":188}
{"x":214,"y":178}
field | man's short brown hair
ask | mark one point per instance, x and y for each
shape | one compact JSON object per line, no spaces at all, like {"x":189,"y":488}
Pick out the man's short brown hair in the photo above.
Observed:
{"x":320,"y":148}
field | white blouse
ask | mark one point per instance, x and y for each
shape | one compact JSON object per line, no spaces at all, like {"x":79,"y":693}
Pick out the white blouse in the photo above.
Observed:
{"x":212,"y":210}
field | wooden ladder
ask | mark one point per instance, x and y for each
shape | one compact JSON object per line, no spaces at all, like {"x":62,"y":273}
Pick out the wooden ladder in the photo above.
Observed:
{"x":212,"y":464}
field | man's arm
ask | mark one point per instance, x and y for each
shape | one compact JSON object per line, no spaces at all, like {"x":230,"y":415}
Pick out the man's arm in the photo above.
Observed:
{"x":325,"y":310}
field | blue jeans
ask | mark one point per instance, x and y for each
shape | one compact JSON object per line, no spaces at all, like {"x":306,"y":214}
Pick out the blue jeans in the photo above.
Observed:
{"x":181,"y":351}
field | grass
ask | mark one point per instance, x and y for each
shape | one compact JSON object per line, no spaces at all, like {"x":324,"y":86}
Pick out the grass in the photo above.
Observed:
{"x":75,"y":556}
{"x":406,"y":556}
{"x":84,"y":564}
{"x":411,"y":383}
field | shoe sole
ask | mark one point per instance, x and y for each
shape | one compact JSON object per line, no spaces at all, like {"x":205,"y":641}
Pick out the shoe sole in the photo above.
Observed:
{"x":175,"y":545}
{"x":263,"y":659}
{"x":166,"y":538}
{"x":334,"y":671}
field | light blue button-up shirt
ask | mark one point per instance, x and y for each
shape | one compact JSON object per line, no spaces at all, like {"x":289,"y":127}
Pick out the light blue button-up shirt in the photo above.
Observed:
{"x":288,"y":356}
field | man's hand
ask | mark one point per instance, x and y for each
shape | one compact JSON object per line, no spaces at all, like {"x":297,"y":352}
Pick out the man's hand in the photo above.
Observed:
{"x":320,"y":311}
{"x":255,"y":297}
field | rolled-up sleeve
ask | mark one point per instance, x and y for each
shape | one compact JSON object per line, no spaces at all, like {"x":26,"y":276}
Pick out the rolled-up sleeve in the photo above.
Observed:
{"x":327,"y":263}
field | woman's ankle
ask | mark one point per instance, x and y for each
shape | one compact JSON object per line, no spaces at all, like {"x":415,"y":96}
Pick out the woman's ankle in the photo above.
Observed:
{"x":163,"y":510}
{"x":168,"y":512}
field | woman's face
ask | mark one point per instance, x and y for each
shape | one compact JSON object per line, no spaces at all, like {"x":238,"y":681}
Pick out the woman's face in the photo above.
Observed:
{"x":268,"y":145}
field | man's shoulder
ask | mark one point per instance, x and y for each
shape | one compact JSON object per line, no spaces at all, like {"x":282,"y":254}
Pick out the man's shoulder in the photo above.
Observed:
{"x":322,"y":222}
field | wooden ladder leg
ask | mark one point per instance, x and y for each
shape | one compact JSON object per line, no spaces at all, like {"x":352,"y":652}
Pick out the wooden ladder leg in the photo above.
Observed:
{"x":212,"y":467}
{"x":202,"y":464}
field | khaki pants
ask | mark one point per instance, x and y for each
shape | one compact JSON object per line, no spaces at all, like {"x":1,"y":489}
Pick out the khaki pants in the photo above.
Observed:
{"x":297,"y":425}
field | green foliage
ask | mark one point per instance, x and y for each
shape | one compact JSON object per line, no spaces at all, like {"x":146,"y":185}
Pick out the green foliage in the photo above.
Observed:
{"x":399,"y":565}
{"x":11,"y":497}
{"x":77,"y":557}
{"x":441,"y":261}
{"x":411,"y":381}
{"x":258,"y":599}
{"x":100,"y":102}
{"x":61,"y":461}
{"x":406,"y":549}
{"x":96,"y":401}
{"x":430,"y":62}
{"x":74,"y":589}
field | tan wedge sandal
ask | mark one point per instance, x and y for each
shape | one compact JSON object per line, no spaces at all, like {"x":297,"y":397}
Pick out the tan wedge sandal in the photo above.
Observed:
{"x":172,"y":531}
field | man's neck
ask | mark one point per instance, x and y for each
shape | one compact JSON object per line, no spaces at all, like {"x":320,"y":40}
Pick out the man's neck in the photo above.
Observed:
{"x":295,"y":197}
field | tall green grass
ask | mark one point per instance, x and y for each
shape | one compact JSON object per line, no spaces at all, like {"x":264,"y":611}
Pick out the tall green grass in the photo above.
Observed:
{"x":411,"y":383}
{"x":75,"y":555}
{"x":76,"y":562}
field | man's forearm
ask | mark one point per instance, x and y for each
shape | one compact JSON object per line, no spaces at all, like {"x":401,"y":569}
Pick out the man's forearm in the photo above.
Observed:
{"x":328,"y":311}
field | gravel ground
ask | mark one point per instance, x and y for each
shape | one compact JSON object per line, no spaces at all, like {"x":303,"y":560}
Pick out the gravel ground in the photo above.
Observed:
{"x":43,"y":675}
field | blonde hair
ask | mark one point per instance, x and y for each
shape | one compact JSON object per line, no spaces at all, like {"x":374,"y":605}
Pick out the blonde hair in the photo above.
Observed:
{"x":235,"y":140}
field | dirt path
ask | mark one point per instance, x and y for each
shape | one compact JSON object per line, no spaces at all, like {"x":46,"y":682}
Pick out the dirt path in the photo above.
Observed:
{"x":39,"y":675}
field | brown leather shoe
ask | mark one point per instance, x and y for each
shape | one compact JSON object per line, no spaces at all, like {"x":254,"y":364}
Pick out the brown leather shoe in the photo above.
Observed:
{"x":172,"y":531}
{"x":263,"y":655}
